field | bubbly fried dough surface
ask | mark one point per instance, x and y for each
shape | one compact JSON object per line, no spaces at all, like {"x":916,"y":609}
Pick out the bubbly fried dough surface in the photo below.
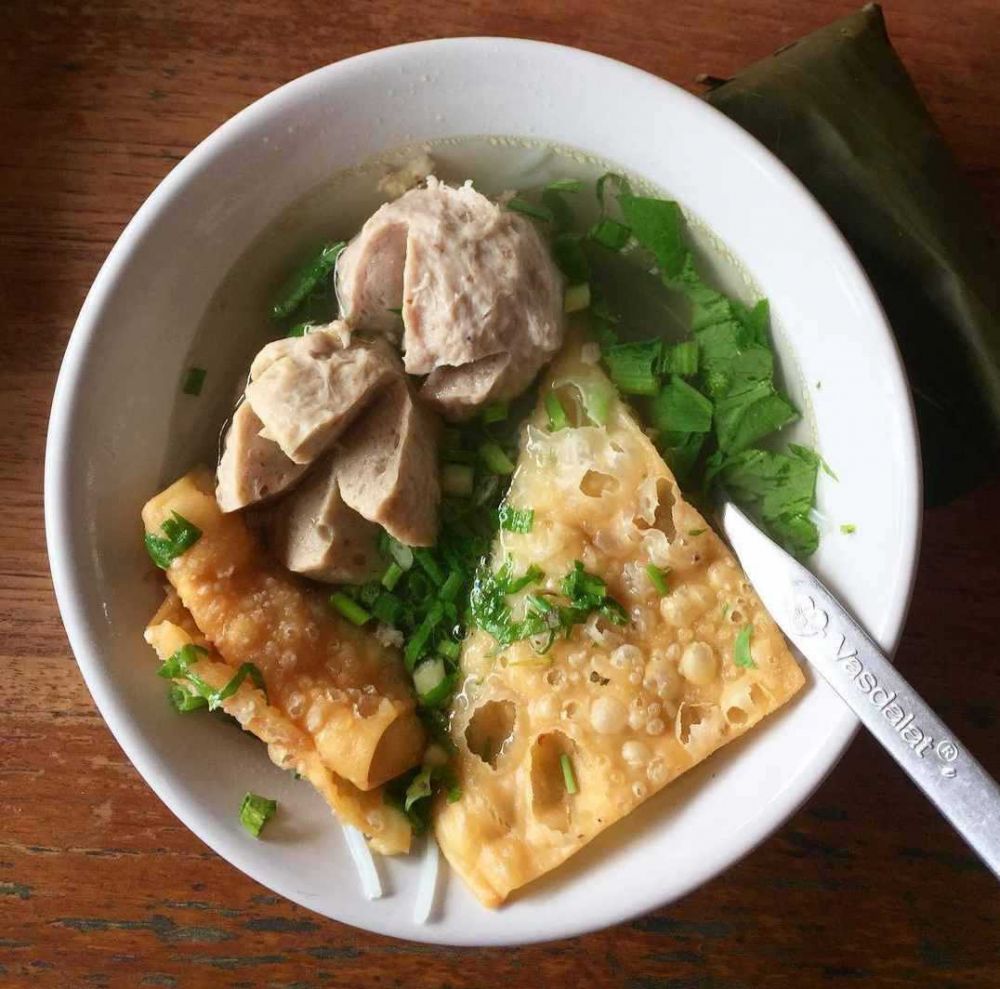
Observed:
{"x":335,"y":682}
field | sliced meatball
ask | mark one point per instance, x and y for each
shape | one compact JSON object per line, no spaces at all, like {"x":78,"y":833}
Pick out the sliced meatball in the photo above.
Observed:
{"x":338,"y":330}
{"x":457,"y":392}
{"x":387,"y":466}
{"x":310,"y":390}
{"x":370,"y":279}
{"x":251,"y":468}
{"x":314,"y":533}
{"x":477,"y":281}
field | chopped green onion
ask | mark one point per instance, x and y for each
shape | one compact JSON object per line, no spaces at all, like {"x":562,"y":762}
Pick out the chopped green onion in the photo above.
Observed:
{"x":610,"y":234}
{"x":530,"y":576}
{"x":613,"y":611}
{"x":848,"y":527}
{"x":179,"y":535}
{"x":496,"y":461}
{"x":577,"y":297}
{"x":194,"y":380}
{"x":403,"y":555}
{"x":255,"y":812}
{"x":302,"y":282}
{"x":741,"y":648}
{"x":658,"y":578}
{"x":417,"y":644}
{"x":432,"y":682}
{"x":349,"y":608}
{"x":557,"y":414}
{"x":216,"y":697}
{"x":449,"y":648}
{"x":541,"y":605}
{"x":618,"y":181}
{"x":457,"y":479}
{"x":387,"y":608}
{"x":696,"y":532}
{"x":496,"y":412}
{"x":185,"y":701}
{"x":632,"y":366}
{"x":177,"y":665}
{"x":451,"y":586}
{"x":516,"y":519}
{"x":565,"y":185}
{"x":569,"y":777}
{"x":426,"y":560}
{"x":391,"y":576}
{"x":530,"y":209}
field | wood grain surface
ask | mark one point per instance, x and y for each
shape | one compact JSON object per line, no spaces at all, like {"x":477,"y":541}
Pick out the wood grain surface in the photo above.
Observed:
{"x":99,"y":884}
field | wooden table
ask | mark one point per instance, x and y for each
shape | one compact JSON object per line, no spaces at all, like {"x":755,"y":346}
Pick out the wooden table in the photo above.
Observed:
{"x":99,"y":884}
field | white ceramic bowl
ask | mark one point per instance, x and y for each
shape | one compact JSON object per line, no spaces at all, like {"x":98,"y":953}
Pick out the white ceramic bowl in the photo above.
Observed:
{"x":111,"y":422}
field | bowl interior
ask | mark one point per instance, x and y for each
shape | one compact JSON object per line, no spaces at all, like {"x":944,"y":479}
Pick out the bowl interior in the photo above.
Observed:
{"x":120,"y":430}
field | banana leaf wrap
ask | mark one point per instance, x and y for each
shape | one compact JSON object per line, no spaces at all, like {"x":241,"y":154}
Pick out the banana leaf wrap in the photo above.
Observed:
{"x":839,"y":108}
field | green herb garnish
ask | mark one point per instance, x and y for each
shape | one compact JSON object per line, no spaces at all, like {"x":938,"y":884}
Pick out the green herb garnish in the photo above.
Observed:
{"x":741,"y":648}
{"x":658,"y":578}
{"x":519,"y":205}
{"x":412,"y":792}
{"x":848,"y":528}
{"x":349,"y":608}
{"x":569,"y":777}
{"x":556,"y":413}
{"x":610,"y":234}
{"x":633,"y":366}
{"x":194,"y":380}
{"x":255,"y":812}
{"x":179,"y":535}
{"x":496,"y":461}
{"x":197,"y":693}
{"x":516,"y":519}
{"x":304,"y":280}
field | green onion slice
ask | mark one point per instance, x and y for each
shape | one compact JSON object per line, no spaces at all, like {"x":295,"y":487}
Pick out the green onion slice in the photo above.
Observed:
{"x":556,"y":413}
{"x":496,"y":461}
{"x":569,"y":777}
{"x":512,"y":519}
{"x":194,"y":380}
{"x":179,"y":535}
{"x":658,"y":578}
{"x":302,"y":281}
{"x":741,"y":648}
{"x":349,"y":608}
{"x":255,"y":812}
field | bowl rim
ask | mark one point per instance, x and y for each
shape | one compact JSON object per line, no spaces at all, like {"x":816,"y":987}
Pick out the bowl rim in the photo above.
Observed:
{"x":59,"y":468}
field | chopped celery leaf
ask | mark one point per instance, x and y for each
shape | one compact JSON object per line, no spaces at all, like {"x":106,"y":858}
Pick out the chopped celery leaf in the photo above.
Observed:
{"x":657,"y":225}
{"x":679,"y":408}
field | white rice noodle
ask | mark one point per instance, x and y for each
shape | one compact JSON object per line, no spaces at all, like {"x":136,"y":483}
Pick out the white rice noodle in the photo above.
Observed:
{"x":364,"y":862}
{"x":423,"y":905}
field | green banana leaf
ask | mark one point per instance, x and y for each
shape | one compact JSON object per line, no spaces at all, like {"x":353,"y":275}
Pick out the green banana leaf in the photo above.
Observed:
{"x":840,"y":110}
